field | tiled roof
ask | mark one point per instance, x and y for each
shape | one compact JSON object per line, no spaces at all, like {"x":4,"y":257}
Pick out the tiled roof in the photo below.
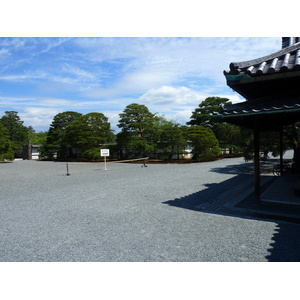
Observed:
{"x":270,"y":85}
{"x":259,"y":107}
{"x":271,"y":115}
{"x":287,"y":59}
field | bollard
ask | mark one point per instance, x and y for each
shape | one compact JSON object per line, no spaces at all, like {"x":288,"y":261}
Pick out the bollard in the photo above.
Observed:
{"x":68,"y":174}
{"x":144,"y":164}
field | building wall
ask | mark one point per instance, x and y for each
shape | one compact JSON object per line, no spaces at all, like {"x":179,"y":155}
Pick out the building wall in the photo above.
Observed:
{"x":31,"y":151}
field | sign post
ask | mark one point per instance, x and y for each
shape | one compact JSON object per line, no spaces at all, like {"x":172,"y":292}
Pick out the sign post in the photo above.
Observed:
{"x":104,"y":152}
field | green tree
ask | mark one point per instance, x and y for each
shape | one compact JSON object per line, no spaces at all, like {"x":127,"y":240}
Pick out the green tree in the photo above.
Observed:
{"x":205,"y":144}
{"x":171,"y":138}
{"x":292,"y":135}
{"x":122,"y":139}
{"x":17,"y":132}
{"x":38,"y":138}
{"x":137,"y":125}
{"x":228,"y":136}
{"x":88,"y":132}
{"x":203,"y":114}
{"x":56,"y":142}
{"x":136,"y":118}
{"x":6,"y":152}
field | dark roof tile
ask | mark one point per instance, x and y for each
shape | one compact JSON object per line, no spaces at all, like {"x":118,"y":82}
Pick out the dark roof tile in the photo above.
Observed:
{"x":287,"y":59}
{"x":252,"y":107}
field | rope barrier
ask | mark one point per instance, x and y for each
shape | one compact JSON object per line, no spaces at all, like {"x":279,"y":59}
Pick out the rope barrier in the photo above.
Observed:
{"x":115,"y":161}
{"x":144,"y":159}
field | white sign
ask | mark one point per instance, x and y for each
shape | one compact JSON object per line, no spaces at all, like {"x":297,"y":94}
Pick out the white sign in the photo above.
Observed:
{"x":104,"y":152}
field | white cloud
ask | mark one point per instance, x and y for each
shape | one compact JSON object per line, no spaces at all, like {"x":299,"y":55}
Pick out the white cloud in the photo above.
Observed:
{"x":154,"y":62}
{"x":168,"y":95}
{"x":40,"y":111}
{"x":179,"y":97}
{"x":23,"y":77}
{"x":8,"y":100}
{"x":4,"y":52}
{"x":181,"y":116}
{"x":142,"y":80}
{"x":39,"y":118}
{"x":178,"y":102}
{"x":56,"y":102}
{"x":50,"y":43}
{"x":113,"y":118}
{"x":78,"y":72}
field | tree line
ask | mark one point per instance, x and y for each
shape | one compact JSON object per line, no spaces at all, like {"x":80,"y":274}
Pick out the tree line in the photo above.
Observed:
{"x":73,"y":135}
{"x":13,"y":135}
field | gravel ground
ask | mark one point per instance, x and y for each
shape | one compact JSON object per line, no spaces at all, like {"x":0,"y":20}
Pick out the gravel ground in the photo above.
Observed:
{"x":126,"y":214}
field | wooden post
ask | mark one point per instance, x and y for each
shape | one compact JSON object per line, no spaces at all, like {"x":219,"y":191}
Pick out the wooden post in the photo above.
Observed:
{"x":256,"y":164}
{"x":281,"y":149}
{"x":29,"y":150}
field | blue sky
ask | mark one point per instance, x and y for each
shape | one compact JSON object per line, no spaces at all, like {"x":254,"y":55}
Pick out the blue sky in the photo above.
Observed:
{"x":40,"y":77}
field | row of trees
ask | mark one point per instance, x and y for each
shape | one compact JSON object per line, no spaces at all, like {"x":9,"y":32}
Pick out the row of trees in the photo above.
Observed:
{"x":73,"y":134}
{"x":142,"y":133}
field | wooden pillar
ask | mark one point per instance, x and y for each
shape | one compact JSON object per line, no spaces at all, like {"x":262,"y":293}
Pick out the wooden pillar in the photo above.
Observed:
{"x":281,"y":149}
{"x":256,"y":164}
{"x":29,"y":150}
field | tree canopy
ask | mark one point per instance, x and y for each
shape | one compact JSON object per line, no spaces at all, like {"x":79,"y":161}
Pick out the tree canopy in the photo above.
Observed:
{"x":71,"y":134}
{"x":204,"y":142}
{"x":16,"y":131}
{"x":56,"y":142}
{"x":89,"y":131}
{"x":137,"y":125}
{"x":172,"y":139}
{"x":6,"y":152}
{"x":228,"y":135}
{"x":136,"y":118}
{"x":203,"y":114}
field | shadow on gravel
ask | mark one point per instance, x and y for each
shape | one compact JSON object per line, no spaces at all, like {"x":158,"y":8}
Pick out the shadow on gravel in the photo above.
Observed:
{"x":247,"y":168}
{"x":208,"y":196}
{"x":285,"y":246}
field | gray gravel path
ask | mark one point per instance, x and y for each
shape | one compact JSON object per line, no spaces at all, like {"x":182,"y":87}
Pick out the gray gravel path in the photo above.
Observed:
{"x":125,"y":214}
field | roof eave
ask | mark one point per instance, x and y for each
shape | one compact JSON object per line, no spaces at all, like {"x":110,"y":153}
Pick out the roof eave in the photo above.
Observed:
{"x":243,"y":64}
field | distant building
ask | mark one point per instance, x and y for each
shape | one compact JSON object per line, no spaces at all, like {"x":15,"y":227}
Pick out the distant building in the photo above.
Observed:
{"x":31,"y":151}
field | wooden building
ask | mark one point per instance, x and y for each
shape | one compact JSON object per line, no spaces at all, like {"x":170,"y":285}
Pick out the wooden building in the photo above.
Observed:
{"x":271,"y":87}
{"x":30,"y":151}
